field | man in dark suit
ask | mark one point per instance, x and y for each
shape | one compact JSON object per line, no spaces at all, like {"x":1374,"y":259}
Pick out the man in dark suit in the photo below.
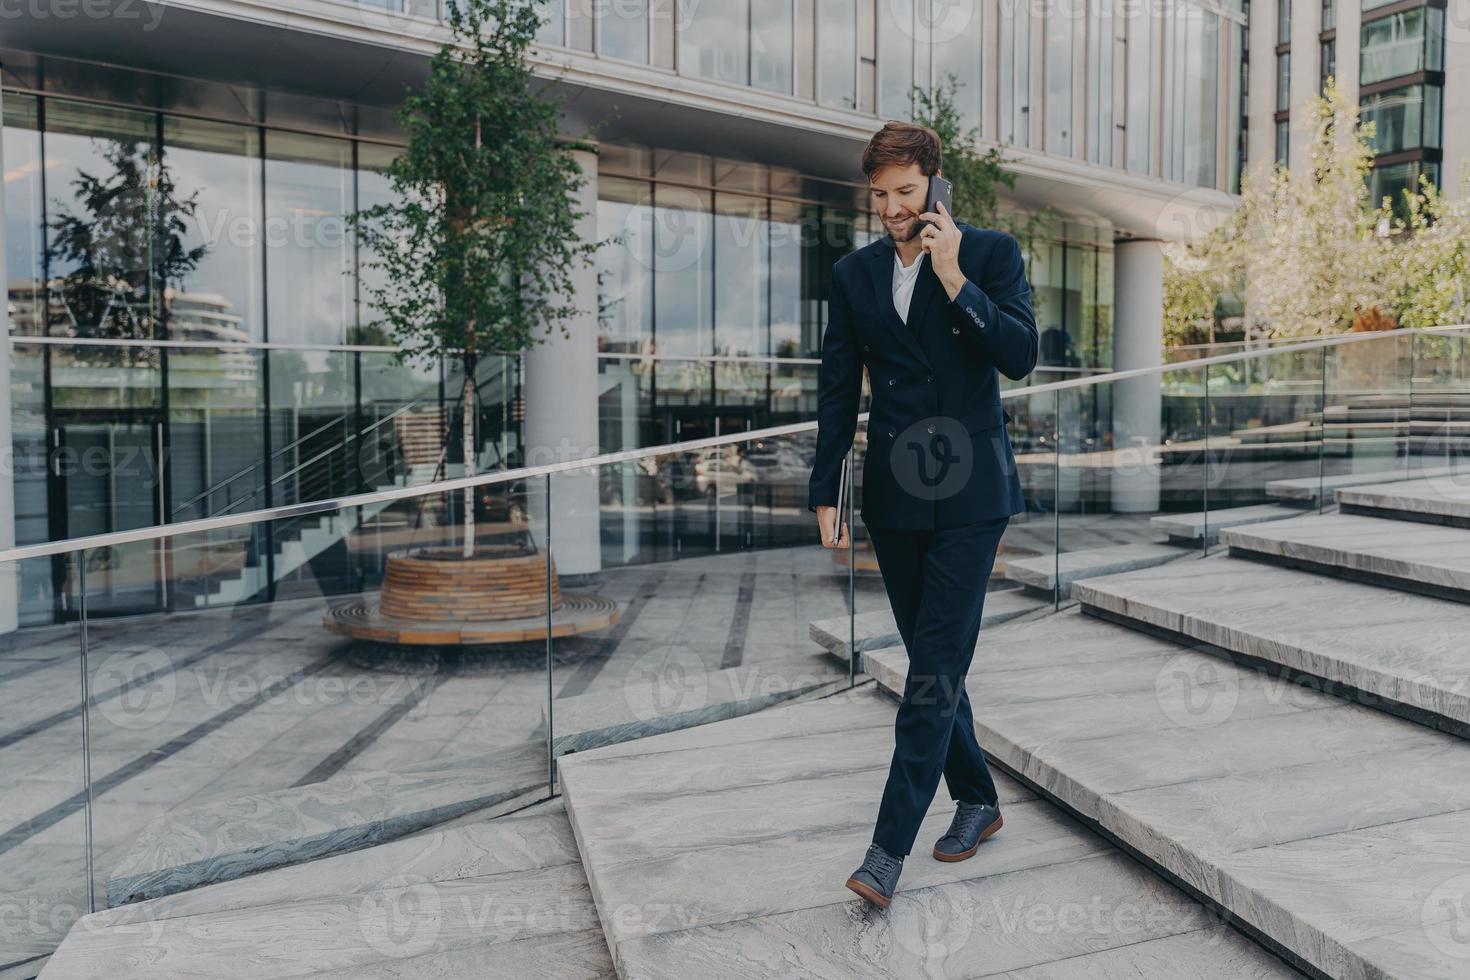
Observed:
{"x":935,"y":310}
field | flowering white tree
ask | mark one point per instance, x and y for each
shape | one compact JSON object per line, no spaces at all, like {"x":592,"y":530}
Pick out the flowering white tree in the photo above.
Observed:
{"x":1426,"y":263}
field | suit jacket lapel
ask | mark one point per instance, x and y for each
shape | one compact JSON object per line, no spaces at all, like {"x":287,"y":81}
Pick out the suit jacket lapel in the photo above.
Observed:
{"x":880,"y":275}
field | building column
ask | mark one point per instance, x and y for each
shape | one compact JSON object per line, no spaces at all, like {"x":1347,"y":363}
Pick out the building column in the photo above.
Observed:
{"x":1138,"y":342}
{"x":560,"y":389}
{"x":9,"y":571}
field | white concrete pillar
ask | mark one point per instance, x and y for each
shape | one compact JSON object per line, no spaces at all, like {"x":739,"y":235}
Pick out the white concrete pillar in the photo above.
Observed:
{"x":562,"y":411}
{"x":1138,"y":341}
{"x":9,"y":571}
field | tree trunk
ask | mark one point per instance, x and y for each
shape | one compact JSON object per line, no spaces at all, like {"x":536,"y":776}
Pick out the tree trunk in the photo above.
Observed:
{"x":469,"y":454}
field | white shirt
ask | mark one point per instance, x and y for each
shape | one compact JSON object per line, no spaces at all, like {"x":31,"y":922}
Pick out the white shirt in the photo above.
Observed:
{"x":903,"y":283}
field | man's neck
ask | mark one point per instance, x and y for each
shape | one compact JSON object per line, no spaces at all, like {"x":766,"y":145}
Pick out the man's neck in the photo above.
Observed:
{"x":909,"y":251}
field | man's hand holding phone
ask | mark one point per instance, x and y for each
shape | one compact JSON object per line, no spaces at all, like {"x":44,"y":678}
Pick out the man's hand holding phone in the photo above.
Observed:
{"x":827,"y":525}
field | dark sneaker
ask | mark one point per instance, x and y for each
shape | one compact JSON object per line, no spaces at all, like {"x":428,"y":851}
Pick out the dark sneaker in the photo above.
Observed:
{"x":972,"y":823}
{"x":878,"y":876}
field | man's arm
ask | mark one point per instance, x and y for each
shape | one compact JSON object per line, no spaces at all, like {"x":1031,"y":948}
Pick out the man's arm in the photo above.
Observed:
{"x":1002,"y":323}
{"x":839,"y":389}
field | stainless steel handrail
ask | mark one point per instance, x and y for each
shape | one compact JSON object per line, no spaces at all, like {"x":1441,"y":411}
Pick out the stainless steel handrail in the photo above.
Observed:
{"x":505,"y":476}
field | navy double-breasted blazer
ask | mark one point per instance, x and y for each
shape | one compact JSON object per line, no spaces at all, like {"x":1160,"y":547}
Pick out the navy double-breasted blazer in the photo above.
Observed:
{"x":938,"y":454}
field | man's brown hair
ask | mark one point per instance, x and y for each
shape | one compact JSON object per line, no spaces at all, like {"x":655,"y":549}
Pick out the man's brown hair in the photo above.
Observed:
{"x":903,"y":143}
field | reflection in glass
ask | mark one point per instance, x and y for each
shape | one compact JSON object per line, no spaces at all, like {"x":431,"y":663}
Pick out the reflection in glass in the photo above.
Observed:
{"x":683,"y":276}
{"x":742,"y":273}
{"x":625,"y":271}
{"x":837,"y":53}
{"x":713,"y":42}
{"x":308,"y":182}
{"x":218,"y":166}
{"x":771,"y":56}
{"x":22,"y":230}
{"x":624,"y":30}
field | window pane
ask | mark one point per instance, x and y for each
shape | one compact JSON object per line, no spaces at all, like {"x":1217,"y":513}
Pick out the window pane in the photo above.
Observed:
{"x":837,"y":53}
{"x":895,"y":59}
{"x":23,"y":241}
{"x":219,"y":167}
{"x":101,"y":191}
{"x":1059,"y":28}
{"x":713,"y":39}
{"x":625,"y":278}
{"x":770,"y":53}
{"x":957,"y":48}
{"x":682,"y":271}
{"x":1137,"y":121}
{"x":308,"y":183}
{"x":741,"y":275}
{"x":373,"y":189}
{"x":624,"y":27}
{"x":1015,"y":72}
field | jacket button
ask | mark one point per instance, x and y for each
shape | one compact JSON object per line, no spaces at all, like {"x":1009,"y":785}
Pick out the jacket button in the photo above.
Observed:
{"x":982,"y":324}
{"x":866,"y":347}
{"x":930,"y":430}
{"x":954,"y":329}
{"x":890,"y":433}
{"x":892,"y":381}
{"x":928,"y":377}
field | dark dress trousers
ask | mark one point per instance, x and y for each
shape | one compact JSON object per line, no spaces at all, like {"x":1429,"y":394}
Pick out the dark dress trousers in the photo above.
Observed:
{"x":939,"y":483}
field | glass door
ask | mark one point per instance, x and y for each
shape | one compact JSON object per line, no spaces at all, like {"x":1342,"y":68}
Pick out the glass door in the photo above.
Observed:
{"x":108,"y":475}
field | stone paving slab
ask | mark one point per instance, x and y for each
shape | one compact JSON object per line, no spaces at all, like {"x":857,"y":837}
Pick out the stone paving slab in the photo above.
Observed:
{"x":1407,"y":648}
{"x":1404,"y":553}
{"x":669,"y":695}
{"x":1437,"y":498}
{"x":1046,"y":571}
{"x":1192,"y":527}
{"x":503,"y":897}
{"x":709,"y":859}
{"x":875,"y":628}
{"x":1324,"y":824}
{"x":217,"y":841}
{"x":1311,"y":488}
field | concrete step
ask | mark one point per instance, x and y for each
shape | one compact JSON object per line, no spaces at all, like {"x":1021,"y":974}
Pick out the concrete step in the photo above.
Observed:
{"x":723,"y":851}
{"x":503,"y":898}
{"x":672,"y":695}
{"x":220,"y":840}
{"x":1324,"y":828}
{"x":1191,"y":528}
{"x":1415,"y":557}
{"x":1309,"y":489}
{"x":875,"y":628}
{"x":1044,"y":572}
{"x":1437,"y":500}
{"x":1402,"y":652}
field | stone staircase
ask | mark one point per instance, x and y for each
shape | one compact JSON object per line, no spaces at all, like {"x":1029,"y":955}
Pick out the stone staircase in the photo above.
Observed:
{"x":1244,"y":763}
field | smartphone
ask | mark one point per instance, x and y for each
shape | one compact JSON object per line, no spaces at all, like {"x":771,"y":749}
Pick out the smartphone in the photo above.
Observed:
{"x":939,"y":190}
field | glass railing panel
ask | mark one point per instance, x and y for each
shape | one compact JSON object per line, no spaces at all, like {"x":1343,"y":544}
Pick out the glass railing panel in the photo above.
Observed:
{"x":1265,"y":429}
{"x":690,"y":580}
{"x":1030,"y":540}
{"x":1439,"y":409}
{"x":345,"y":663}
{"x":44,"y":859}
{"x":1367,"y":403}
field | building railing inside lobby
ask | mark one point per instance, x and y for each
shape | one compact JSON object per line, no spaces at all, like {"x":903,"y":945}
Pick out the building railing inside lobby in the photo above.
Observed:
{"x":686,"y":585}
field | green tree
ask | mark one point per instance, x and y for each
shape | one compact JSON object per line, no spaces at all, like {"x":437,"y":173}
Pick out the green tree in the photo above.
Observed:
{"x":125,"y":237}
{"x":977,"y":177}
{"x":477,"y":247}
